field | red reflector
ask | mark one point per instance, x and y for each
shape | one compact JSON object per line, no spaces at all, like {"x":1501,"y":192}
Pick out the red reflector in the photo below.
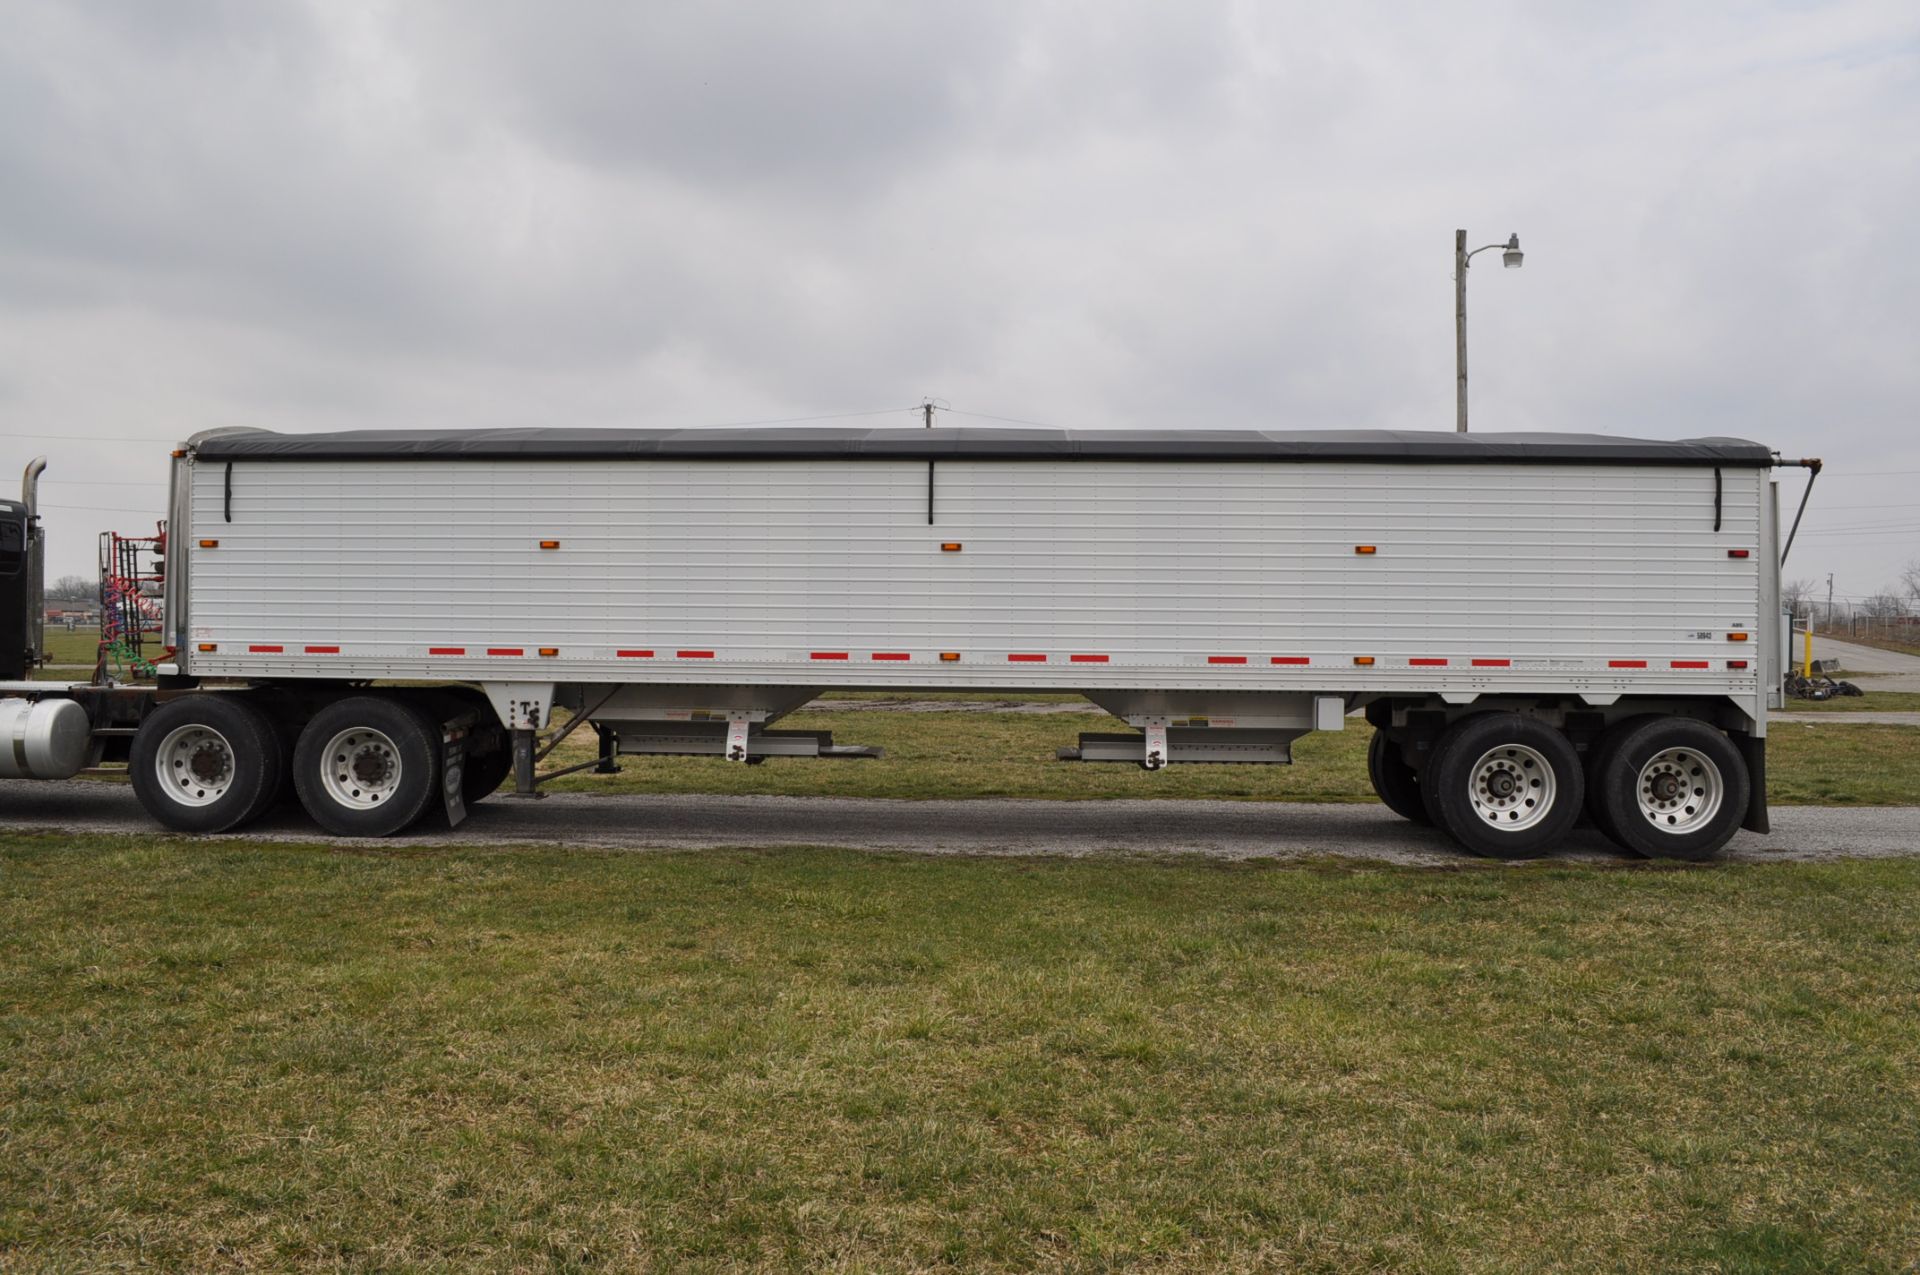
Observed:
{"x":1690,"y":664}
{"x":828,"y":655}
{"x":892,"y":655}
{"x":1027,"y":659}
{"x":1738,"y":553}
{"x":694,"y":655}
{"x":1428,"y":663}
{"x":506,"y":650}
{"x":1736,"y":663}
{"x":634,"y":655}
{"x":446,"y":650}
{"x":323,"y":650}
{"x":265,"y":650}
{"x":1493,"y":663}
{"x":1291,"y":659}
{"x":1626,"y":663}
{"x":1226,"y":659}
{"x":1086,"y":659}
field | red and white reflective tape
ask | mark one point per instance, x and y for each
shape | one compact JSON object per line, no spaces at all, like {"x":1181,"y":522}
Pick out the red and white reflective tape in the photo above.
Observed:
{"x":1013,"y":657}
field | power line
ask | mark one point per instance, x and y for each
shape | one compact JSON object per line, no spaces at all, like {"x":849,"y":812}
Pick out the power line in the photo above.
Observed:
{"x":105,"y":509}
{"x":108,"y":482}
{"x":1009,"y":420}
{"x":774,"y":420}
{"x":92,"y":438}
{"x":830,"y":416}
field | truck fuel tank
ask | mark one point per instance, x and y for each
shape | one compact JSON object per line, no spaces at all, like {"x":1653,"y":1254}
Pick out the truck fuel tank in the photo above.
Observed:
{"x":43,"y":739}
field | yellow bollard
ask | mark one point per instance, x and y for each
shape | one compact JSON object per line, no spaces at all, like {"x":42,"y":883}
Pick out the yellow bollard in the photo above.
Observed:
{"x":1806,"y":662}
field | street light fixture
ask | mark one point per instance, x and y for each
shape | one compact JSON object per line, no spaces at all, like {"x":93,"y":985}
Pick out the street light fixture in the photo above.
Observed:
{"x":1511,"y":258}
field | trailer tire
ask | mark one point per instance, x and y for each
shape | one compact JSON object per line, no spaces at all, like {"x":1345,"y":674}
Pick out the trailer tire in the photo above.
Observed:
{"x":206,"y":763}
{"x":1394,"y":782}
{"x":368,"y":766}
{"x":484,"y":773}
{"x":1674,"y":788}
{"x":481,"y":773}
{"x":1599,"y":758}
{"x":1505,"y":786}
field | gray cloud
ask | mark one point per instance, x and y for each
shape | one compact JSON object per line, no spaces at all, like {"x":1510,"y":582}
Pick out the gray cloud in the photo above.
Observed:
{"x":328,"y":216}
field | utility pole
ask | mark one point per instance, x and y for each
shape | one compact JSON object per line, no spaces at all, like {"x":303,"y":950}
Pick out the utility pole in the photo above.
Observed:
{"x":1829,"y":601}
{"x":927,"y":407}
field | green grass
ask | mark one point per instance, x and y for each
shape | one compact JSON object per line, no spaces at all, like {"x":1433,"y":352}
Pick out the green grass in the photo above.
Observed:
{"x":1870,"y":702}
{"x":1822,"y":765}
{"x":226,"y":1056}
{"x":992,"y":755}
{"x":81,"y":646}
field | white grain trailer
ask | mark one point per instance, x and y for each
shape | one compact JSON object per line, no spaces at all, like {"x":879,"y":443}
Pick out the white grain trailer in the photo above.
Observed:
{"x":1536,"y":625}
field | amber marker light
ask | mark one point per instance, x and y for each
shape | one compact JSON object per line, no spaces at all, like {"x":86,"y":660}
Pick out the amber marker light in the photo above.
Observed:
{"x":951,"y":546}
{"x":1363,"y":661}
{"x":549,"y":651}
{"x":209,"y":646}
{"x":1365,"y":549}
{"x":1736,"y":637}
{"x":549,"y":544}
{"x":209,"y":544}
{"x":949,"y":657}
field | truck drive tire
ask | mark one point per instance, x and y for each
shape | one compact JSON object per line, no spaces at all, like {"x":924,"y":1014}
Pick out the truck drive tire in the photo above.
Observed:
{"x":1505,"y":786}
{"x":1396,"y":783}
{"x":207,"y":763}
{"x":1673,"y":788}
{"x":368,"y":766}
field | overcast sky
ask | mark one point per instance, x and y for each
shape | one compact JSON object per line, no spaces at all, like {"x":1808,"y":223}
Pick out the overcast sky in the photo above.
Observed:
{"x":347,"y":215}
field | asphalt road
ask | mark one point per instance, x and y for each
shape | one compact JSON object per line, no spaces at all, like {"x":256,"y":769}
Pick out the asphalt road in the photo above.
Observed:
{"x":1870,"y":667}
{"x":1220,"y":829}
{"x":1860,"y":659}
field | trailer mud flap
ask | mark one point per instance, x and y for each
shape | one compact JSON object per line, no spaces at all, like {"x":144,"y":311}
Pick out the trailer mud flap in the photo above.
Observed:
{"x":453,"y":775}
{"x":1753,"y":751}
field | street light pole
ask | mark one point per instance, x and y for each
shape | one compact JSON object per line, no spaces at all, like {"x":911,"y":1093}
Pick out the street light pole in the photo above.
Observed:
{"x":1460,"y":327}
{"x":1461,"y":259}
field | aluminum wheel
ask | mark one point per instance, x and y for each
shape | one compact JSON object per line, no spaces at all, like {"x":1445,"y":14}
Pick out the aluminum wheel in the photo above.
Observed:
{"x":360,"y":768}
{"x":1679,"y":789}
{"x":1511,"y":787}
{"x":194,"y":765}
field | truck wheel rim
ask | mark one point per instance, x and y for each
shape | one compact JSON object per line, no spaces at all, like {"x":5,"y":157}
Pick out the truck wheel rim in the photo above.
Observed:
{"x":194,"y":765}
{"x":1512,"y":787}
{"x":361,"y":768}
{"x":1679,"y":790}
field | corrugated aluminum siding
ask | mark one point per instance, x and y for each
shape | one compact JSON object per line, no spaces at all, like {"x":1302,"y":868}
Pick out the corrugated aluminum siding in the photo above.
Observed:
{"x":1162,"y":568}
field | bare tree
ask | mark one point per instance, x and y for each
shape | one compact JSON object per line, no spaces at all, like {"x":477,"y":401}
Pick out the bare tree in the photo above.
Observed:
{"x":1798,"y":595}
{"x":73,"y":589}
{"x":1885,"y":605}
